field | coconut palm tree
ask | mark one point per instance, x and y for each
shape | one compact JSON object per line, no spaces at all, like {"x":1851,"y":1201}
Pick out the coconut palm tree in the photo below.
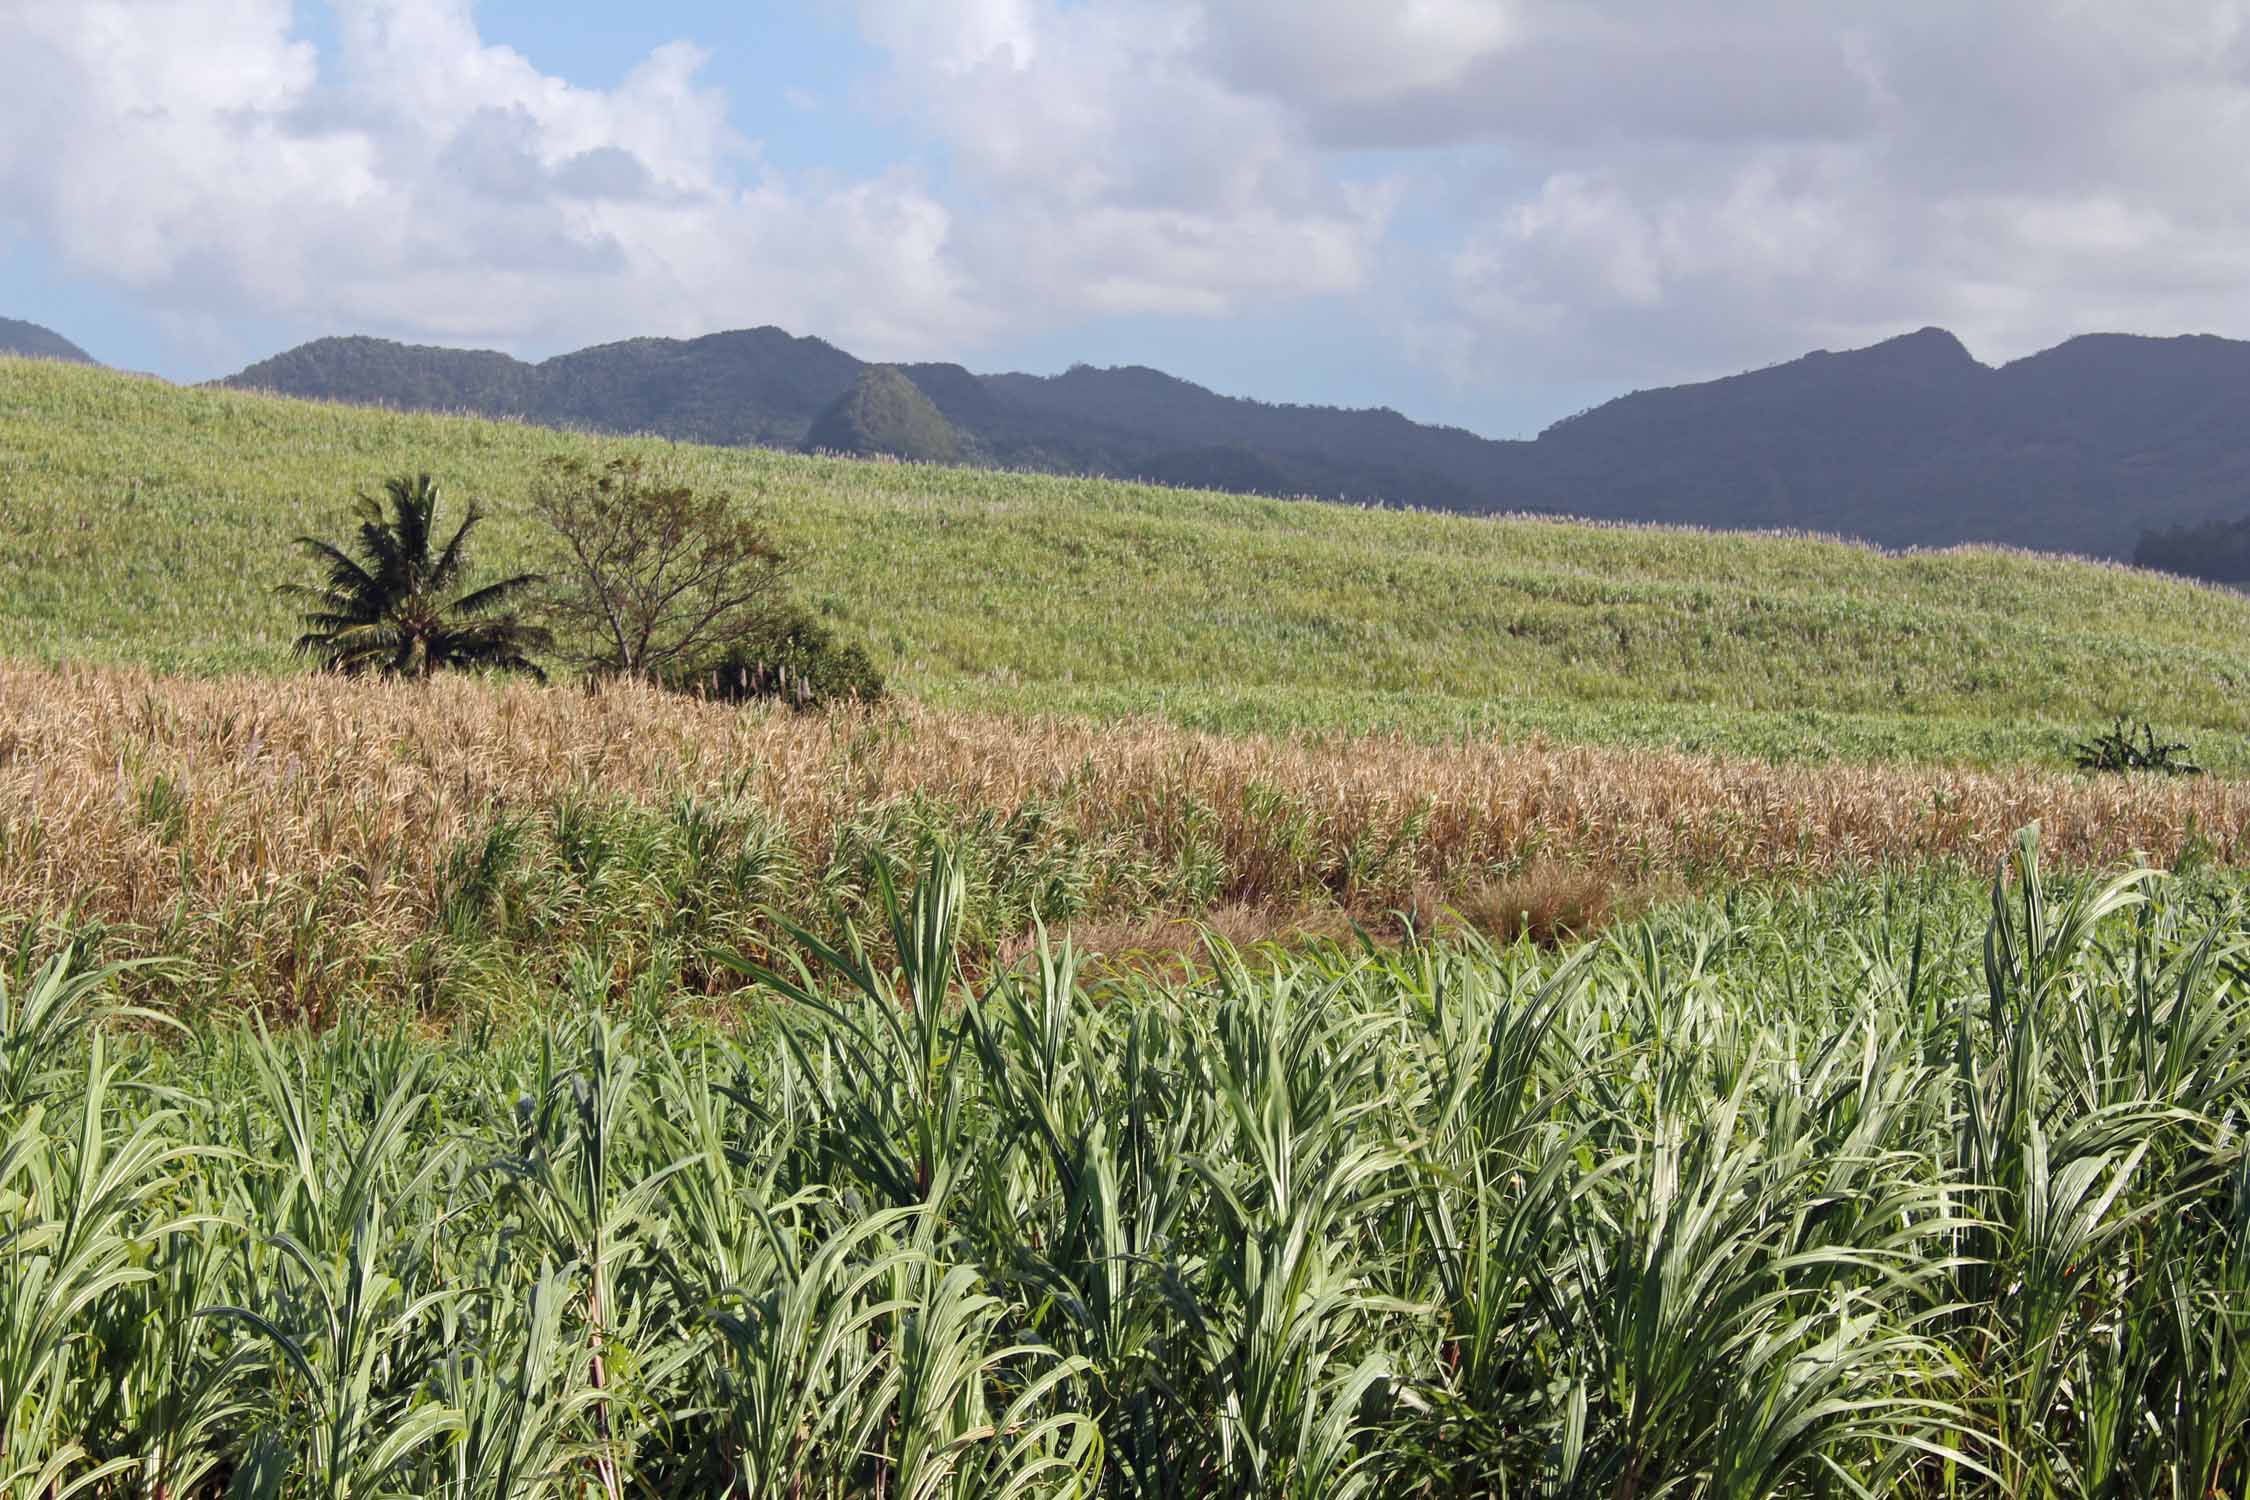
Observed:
{"x":393,"y":610}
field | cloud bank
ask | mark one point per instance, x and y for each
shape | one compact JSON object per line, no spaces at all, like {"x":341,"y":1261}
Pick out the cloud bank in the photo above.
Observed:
{"x":1511,"y":189}
{"x":425,"y":181}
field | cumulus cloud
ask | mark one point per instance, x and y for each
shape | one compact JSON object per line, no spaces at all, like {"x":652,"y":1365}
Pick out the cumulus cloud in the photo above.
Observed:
{"x":421,"y":180}
{"x":1646,"y":190}
{"x":1515,"y":190}
{"x":1544,"y":72}
{"x":1684,"y":186}
{"x":1113,"y":171}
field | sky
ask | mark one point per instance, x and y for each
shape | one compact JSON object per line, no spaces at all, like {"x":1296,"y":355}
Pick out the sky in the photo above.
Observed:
{"x":1490,"y":213}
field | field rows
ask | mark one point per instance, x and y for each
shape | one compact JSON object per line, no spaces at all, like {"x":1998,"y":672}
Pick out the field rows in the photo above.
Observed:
{"x":483,"y":1091}
{"x":1783,"y":1202}
{"x":301,"y":841}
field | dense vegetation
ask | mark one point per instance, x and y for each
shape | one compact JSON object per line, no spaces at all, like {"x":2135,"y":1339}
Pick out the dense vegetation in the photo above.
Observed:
{"x":459,"y":1088}
{"x":145,"y":525}
{"x":311,"y":845}
{"x":1862,"y":1192}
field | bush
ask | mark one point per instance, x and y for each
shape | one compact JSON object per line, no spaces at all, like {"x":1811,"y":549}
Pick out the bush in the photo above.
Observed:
{"x":1550,"y":903}
{"x":793,"y":658}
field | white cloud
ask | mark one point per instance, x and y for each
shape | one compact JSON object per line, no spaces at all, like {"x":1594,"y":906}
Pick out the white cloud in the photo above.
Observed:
{"x":1519,"y":190}
{"x":1695,"y":185}
{"x":1648,"y":190}
{"x":1342,"y":54}
{"x":958,"y":36}
{"x":1106,"y":168}
{"x":423,"y":181}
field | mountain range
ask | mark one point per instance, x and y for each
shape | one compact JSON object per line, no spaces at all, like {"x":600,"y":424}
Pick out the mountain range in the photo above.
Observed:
{"x":765,"y":386}
{"x":1909,"y":442}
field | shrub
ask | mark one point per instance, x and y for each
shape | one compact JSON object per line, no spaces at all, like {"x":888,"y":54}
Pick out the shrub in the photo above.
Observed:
{"x":793,"y":658}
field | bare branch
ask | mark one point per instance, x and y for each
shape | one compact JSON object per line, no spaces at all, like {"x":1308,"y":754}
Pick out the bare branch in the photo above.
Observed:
{"x":663,"y":578}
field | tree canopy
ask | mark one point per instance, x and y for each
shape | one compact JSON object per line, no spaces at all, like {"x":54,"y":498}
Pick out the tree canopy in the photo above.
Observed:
{"x":655,"y":579}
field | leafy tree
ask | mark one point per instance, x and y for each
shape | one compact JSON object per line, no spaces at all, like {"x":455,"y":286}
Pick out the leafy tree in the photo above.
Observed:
{"x":395,"y":609}
{"x":658,"y":579}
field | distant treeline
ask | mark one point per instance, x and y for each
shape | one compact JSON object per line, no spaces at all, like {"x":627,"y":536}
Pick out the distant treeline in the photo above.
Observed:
{"x":2217,"y":551}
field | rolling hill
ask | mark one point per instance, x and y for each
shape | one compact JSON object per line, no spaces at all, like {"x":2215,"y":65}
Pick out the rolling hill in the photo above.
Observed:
{"x":885,"y":415}
{"x":142,"y":524}
{"x":765,"y":387}
{"x":2079,"y":448}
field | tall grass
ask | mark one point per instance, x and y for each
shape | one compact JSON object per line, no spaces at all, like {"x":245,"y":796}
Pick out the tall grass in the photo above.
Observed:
{"x":1748,"y":1204}
{"x":142,"y":525}
{"x":308,"y":843}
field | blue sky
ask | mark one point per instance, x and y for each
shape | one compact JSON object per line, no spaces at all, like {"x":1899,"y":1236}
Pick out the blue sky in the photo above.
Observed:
{"x":1484,"y":212}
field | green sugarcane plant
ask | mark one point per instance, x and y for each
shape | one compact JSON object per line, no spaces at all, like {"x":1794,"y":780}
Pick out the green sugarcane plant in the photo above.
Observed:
{"x":1876,"y":1189}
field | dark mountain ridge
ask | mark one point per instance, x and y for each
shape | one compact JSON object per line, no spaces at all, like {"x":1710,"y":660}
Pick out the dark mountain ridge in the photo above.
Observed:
{"x":30,"y":341}
{"x":1912,"y":442}
{"x":1907,"y":442}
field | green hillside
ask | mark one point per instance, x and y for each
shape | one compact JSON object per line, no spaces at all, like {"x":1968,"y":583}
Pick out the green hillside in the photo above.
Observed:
{"x":145,"y":524}
{"x":884,"y":416}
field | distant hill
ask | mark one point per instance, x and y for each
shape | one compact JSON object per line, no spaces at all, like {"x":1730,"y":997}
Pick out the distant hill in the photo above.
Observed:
{"x":2215,"y":551}
{"x":31,"y":341}
{"x":1219,"y":467}
{"x":2079,"y":448}
{"x":885,"y":415}
{"x":759,"y":386}
{"x":765,"y":387}
{"x":1909,"y":442}
{"x":1133,"y":422}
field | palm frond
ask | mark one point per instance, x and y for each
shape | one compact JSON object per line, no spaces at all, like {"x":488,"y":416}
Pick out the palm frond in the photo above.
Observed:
{"x":379,"y":612}
{"x":478,"y":601}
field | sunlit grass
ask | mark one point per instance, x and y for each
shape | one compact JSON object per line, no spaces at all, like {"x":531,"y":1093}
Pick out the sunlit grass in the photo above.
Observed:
{"x":563,"y":1094}
{"x":145,"y":525}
